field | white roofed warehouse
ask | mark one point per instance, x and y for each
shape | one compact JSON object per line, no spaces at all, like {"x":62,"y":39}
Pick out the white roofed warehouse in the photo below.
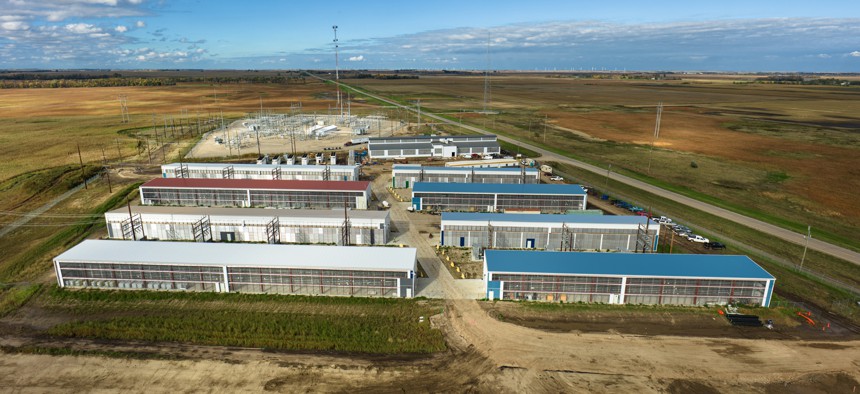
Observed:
{"x":626,"y":278}
{"x":305,"y":226}
{"x":260,"y":171}
{"x":239,"y":268}
{"x":251,"y":193}
{"x":483,"y":197}
{"x":432,"y":146}
{"x":549,"y":232}
{"x":406,"y":175}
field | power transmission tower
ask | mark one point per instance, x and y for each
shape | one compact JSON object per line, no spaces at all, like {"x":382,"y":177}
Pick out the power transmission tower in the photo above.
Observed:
{"x":656,"y":133}
{"x":123,"y":108}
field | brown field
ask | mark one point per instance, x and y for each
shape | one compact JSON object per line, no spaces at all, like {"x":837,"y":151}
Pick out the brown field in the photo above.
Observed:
{"x":779,"y":149}
{"x":39,"y":127}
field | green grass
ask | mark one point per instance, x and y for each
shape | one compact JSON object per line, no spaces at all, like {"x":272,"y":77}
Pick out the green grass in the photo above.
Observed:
{"x":38,"y":186}
{"x":770,"y":252}
{"x":770,"y":178}
{"x":14,"y":297}
{"x":339,"y":324}
{"x":590,"y":307}
{"x":37,"y":259}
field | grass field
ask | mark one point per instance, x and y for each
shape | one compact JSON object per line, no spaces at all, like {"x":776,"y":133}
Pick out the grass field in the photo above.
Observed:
{"x":769,"y":150}
{"x":364,"y":325}
{"x":41,"y":127}
{"x":789,"y":281}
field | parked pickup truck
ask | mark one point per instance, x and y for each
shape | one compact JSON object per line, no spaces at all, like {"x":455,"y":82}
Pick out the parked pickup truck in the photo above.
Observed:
{"x":697,"y":238}
{"x":714,"y":245}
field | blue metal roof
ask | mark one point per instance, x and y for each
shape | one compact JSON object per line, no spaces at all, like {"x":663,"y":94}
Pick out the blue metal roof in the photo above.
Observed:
{"x":418,"y":167}
{"x":497,"y":188}
{"x":626,"y":264}
{"x":543,"y":218}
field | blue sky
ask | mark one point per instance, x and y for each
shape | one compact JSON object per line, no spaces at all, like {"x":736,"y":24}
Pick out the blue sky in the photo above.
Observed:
{"x":523,"y":35}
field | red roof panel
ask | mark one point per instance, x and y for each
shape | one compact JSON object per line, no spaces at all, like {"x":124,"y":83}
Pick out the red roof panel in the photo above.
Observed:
{"x":257,"y":184}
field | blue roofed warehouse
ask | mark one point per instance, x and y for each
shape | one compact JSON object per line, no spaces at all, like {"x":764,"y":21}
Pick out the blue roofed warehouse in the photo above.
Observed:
{"x":626,"y":278}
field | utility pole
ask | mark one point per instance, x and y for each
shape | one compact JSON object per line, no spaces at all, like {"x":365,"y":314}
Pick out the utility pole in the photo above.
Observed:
{"x":672,"y":242}
{"x":656,"y":134}
{"x":257,"y":128}
{"x":545,"y":117}
{"x":419,"y":112}
{"x":107,"y":170}
{"x":805,"y":245}
{"x":606,"y":187}
{"x":81,"y":159}
{"x":131,"y":220}
{"x":118,"y":151}
{"x":149,"y":149}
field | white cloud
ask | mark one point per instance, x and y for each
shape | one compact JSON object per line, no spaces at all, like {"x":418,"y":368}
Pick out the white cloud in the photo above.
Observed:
{"x":140,"y":24}
{"x":854,"y":54}
{"x":121,"y":29}
{"x":461,"y":37}
{"x":823,"y":56}
{"x":17,"y":25}
{"x":82,"y":28}
{"x":359,"y":58}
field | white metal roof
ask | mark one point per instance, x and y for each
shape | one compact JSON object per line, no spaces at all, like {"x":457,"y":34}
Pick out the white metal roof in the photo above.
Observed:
{"x":250,"y":213}
{"x":243,"y":255}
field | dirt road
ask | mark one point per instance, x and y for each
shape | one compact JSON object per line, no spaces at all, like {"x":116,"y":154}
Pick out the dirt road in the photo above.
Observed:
{"x":527,"y":359}
{"x":788,"y":235}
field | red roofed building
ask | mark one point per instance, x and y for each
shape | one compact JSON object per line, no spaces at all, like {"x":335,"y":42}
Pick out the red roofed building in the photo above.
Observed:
{"x":255,"y":193}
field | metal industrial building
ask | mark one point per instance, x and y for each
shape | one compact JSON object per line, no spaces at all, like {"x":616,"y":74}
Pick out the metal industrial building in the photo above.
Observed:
{"x":239,"y":268}
{"x":432,"y":146}
{"x":406,"y":175}
{"x":549,"y":232}
{"x":626,"y":278}
{"x":249,"y":225}
{"x":483,"y":197}
{"x":256,"y":193}
{"x":260,"y":171}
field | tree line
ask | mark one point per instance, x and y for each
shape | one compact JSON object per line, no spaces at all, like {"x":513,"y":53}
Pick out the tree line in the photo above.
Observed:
{"x":36,"y":81}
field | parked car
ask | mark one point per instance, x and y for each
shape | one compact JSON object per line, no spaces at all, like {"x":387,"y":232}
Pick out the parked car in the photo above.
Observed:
{"x":714,"y":245}
{"x":664,"y":220}
{"x":556,"y":178}
{"x":697,"y":238}
{"x":644,"y":213}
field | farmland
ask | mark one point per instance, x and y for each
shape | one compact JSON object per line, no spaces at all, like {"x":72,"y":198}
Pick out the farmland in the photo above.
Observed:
{"x":773,"y":150}
{"x":41,"y":127}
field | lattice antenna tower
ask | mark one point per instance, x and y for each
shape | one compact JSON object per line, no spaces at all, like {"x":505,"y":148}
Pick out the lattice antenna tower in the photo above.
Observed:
{"x":337,"y":69}
{"x":487,"y":77}
{"x":123,"y":108}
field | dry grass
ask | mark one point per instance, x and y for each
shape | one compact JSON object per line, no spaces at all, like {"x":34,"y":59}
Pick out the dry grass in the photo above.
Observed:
{"x":40,"y":127}
{"x":779,"y":149}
